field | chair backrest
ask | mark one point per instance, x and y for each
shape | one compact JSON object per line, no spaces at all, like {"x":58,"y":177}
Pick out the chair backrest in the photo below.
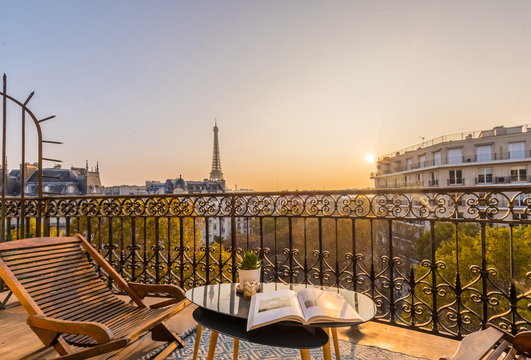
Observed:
{"x":53,"y":277}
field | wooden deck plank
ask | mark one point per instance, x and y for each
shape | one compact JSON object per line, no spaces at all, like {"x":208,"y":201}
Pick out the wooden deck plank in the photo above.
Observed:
{"x":400,"y":340}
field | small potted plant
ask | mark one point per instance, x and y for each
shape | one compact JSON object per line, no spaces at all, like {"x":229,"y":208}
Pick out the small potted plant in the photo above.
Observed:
{"x":249,"y":267}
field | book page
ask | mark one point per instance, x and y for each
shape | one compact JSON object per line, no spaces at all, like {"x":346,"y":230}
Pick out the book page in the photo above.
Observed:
{"x":325,"y":305}
{"x":270,"y":307}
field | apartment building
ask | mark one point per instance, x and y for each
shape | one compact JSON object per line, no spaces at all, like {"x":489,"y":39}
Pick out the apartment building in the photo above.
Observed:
{"x":500,"y":156}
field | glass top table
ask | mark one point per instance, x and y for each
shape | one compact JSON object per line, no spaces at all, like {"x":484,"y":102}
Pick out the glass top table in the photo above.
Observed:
{"x":224,"y":299}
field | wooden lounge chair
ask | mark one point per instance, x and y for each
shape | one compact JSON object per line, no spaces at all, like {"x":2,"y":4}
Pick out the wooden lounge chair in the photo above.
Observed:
{"x":482,"y":345}
{"x":72,"y":309}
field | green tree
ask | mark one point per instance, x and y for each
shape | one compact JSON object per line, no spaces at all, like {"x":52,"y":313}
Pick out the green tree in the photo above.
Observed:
{"x":469,"y":253}
{"x":444,"y":231}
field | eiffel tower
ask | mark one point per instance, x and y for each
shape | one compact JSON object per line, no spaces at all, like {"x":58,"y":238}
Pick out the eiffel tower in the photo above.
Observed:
{"x":216,"y":174}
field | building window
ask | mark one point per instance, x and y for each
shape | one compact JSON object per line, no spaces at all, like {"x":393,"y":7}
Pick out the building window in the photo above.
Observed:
{"x":517,"y":150}
{"x":522,"y":200}
{"x":518,"y":173}
{"x":406,"y":180}
{"x":485,"y":176}
{"x":484,"y":153}
{"x":215,"y":227}
{"x":455,"y":156}
{"x":419,"y":179}
{"x":422,"y":161}
{"x":434,"y":181}
{"x":437,"y":158}
{"x":456,"y":177}
{"x":409,"y":163}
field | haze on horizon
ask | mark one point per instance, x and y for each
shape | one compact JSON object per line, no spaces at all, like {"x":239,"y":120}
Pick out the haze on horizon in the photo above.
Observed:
{"x":302,"y":90}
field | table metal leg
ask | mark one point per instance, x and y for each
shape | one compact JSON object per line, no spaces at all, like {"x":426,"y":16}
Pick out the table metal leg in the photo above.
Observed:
{"x":336,"y":343}
{"x":236,"y":348}
{"x":326,"y":347}
{"x":305,"y":354}
{"x":212,"y":345}
{"x":198,"y":331}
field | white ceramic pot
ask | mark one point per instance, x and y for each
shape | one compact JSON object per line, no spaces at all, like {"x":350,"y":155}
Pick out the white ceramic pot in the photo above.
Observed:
{"x":249,"y":275}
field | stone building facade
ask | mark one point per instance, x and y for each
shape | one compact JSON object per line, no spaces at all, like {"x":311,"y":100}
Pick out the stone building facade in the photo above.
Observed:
{"x":500,"y":156}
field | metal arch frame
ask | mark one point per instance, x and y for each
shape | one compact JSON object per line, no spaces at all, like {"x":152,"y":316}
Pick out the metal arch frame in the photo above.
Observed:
{"x":25,"y":110}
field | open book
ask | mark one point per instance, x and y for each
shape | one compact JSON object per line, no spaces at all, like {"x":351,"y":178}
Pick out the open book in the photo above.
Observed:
{"x":309,"y":306}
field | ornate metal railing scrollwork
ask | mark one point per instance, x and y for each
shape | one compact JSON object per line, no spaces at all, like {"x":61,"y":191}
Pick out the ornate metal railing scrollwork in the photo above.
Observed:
{"x":445,"y":262}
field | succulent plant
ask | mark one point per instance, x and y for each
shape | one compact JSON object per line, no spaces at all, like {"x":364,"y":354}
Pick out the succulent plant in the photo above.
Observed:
{"x":249,"y":261}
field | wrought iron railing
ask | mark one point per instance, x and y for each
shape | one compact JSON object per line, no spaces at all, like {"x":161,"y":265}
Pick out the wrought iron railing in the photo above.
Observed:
{"x":445,"y":262}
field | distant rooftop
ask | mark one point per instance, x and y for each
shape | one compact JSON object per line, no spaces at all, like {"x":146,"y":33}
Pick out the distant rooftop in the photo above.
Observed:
{"x":496,"y":131}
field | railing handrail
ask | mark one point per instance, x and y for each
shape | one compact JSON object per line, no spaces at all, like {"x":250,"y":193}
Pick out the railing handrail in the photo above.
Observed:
{"x":518,"y":187}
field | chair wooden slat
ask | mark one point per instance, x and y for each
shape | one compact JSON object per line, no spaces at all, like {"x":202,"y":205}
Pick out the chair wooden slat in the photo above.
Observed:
{"x":93,"y":313}
{"x":69,"y":290}
{"x":105,"y":314}
{"x":37,"y":243}
{"x":31,"y":260}
{"x":511,"y":354}
{"x":77,"y":301}
{"x":68,"y":314}
{"x":77,"y":280}
{"x":37,"y":255}
{"x":58,"y":278}
{"x":25,"y":277}
{"x":43,"y":265}
{"x":9,"y":252}
{"x":498,"y":351}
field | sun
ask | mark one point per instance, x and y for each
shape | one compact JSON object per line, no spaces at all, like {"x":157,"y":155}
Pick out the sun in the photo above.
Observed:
{"x":369,"y":158}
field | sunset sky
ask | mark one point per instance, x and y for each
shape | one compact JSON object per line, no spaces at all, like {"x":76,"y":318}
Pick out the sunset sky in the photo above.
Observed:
{"x":302,"y":90}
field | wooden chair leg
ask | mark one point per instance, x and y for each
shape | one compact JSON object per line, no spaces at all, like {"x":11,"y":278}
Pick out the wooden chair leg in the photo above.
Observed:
{"x":198,"y":332}
{"x":305,"y":354}
{"x":327,"y":354}
{"x":167,"y":351}
{"x":236,"y":349}
{"x":336,"y":343}
{"x":96,"y":350}
{"x":162,"y":333}
{"x":212,"y":345}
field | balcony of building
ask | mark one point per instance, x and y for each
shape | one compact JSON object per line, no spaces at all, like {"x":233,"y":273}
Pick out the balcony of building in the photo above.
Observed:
{"x":393,"y":166}
{"x":438,"y":263}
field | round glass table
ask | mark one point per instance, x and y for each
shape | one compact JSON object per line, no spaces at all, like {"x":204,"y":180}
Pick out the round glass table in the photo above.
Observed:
{"x":220,"y":304}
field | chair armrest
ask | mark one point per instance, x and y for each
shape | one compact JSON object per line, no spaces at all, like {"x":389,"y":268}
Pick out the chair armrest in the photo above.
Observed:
{"x":506,"y":335}
{"x":522,"y":342}
{"x":142,"y":289}
{"x":97,"y":331}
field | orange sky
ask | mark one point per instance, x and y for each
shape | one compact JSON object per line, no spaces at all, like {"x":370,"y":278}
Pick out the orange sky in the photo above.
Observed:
{"x":302,"y":90}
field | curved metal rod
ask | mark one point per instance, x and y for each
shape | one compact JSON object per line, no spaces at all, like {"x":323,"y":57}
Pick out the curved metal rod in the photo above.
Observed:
{"x":39,"y":131}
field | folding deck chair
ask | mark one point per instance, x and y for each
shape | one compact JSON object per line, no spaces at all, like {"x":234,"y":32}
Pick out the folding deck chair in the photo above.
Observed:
{"x":71,"y":308}
{"x":493,"y":343}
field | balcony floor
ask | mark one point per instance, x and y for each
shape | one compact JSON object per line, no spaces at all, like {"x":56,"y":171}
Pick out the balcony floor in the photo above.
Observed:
{"x":17,"y":341}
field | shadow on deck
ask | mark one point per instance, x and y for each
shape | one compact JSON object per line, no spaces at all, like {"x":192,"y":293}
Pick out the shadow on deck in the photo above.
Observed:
{"x":17,"y":341}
